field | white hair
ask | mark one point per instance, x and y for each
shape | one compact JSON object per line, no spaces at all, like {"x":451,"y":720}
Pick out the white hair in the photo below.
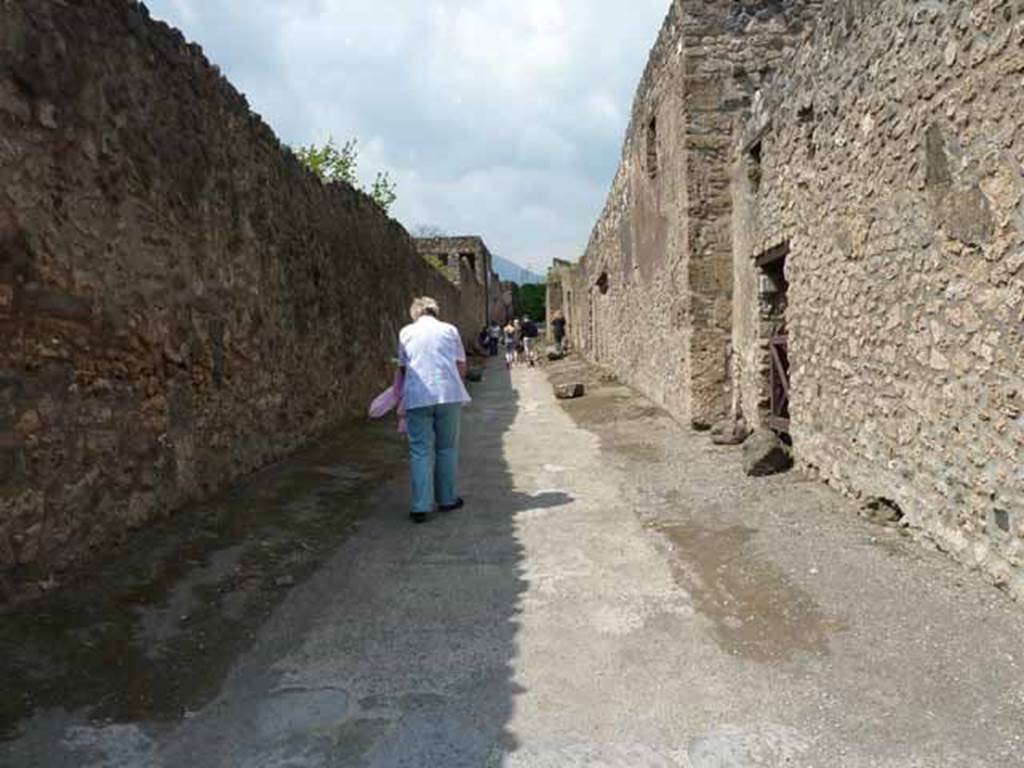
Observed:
{"x":424,"y":305}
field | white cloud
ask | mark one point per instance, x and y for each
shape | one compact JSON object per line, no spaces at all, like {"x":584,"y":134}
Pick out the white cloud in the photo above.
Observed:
{"x":183,"y":9}
{"x":498,"y":117}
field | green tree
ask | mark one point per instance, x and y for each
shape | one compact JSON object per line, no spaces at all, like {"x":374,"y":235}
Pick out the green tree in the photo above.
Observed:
{"x":531,"y":300}
{"x":436,"y":263}
{"x":333,"y":163}
{"x":384,"y":190}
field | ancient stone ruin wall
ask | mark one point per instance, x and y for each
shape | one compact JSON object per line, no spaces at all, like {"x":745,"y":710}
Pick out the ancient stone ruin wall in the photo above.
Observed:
{"x":653,"y":300}
{"x":558,"y":294}
{"x":181,"y":302}
{"x":891,"y":163}
{"x":467,"y":261}
{"x":732,"y":50}
{"x":499,"y":308}
{"x":631,"y":288}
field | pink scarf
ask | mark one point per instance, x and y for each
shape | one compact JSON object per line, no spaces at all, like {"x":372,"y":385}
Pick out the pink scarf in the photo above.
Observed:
{"x":389,"y":400}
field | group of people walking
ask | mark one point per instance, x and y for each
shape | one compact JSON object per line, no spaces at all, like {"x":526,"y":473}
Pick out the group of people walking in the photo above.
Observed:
{"x":517,"y":339}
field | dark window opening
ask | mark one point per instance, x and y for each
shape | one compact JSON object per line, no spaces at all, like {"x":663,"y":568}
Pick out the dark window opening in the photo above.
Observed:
{"x":1002,"y":519}
{"x":754,"y":164}
{"x":602,"y":283}
{"x":755,"y":152}
{"x":652,"y":147}
{"x":776,"y":254}
{"x":470,"y":259}
{"x":774,"y":290}
{"x":805,"y":116}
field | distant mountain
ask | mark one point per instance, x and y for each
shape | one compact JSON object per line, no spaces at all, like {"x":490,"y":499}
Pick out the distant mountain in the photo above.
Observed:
{"x":508,"y":270}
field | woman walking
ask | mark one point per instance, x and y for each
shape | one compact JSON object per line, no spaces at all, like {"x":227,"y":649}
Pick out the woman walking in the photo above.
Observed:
{"x":433,"y":364}
{"x":511,"y":340}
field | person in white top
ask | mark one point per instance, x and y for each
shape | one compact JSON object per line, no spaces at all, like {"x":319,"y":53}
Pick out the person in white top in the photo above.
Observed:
{"x":433,"y":364}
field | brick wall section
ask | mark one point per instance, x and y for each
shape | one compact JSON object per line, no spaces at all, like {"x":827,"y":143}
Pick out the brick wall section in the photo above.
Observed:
{"x":180,"y":301}
{"x":891,"y":161}
{"x":652,"y":294}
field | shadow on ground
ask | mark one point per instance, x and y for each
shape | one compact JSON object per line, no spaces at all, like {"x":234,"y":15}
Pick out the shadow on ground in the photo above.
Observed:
{"x":150,"y":629}
{"x":298,"y":619}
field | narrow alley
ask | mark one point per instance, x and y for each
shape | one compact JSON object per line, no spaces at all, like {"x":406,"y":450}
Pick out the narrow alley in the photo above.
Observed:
{"x":615,"y":593}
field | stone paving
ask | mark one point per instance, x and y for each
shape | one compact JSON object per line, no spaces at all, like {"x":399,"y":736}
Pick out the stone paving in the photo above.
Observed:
{"x":615,"y":593}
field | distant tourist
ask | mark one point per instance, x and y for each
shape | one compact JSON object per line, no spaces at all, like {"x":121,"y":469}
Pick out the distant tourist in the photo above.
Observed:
{"x":433,"y":364}
{"x":493,"y":338}
{"x":530,"y":334}
{"x":518,"y":325}
{"x":558,"y":328}
{"x":511,"y":344}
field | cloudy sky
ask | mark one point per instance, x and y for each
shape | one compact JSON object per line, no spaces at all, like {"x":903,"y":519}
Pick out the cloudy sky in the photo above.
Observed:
{"x":503,"y":118}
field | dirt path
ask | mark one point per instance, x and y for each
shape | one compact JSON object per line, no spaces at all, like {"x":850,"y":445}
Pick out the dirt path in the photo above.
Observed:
{"x":615,"y":593}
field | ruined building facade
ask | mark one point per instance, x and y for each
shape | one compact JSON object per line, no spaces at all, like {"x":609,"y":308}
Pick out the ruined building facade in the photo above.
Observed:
{"x":469,"y":265}
{"x":818,"y":223}
{"x":181,"y":301}
{"x":653,"y":296}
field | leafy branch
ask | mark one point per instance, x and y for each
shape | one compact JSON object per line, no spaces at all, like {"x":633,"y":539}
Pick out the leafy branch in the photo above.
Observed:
{"x":332,"y":163}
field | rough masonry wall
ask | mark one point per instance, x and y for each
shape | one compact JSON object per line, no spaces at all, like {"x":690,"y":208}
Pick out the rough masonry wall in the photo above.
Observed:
{"x":468,"y":263}
{"x":652,"y":299}
{"x":499,"y":309}
{"x":630,"y":299}
{"x":892,"y":163}
{"x":557,"y":297}
{"x":180,"y":301}
{"x":732,"y":50}
{"x":470,"y":309}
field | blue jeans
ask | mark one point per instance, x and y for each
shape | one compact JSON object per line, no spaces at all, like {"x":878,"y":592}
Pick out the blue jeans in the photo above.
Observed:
{"x":434,"y":454}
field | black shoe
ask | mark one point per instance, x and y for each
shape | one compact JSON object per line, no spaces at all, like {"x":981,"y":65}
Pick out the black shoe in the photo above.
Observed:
{"x":418,"y":517}
{"x":458,"y":504}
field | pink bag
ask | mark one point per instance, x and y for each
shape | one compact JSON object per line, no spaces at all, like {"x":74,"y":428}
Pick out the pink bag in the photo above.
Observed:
{"x":389,"y":400}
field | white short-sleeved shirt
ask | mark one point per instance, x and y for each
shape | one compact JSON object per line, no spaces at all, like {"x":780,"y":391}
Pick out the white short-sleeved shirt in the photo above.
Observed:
{"x":429,"y":350}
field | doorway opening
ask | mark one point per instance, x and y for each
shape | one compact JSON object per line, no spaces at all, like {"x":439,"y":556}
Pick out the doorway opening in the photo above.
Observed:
{"x":773,"y":289}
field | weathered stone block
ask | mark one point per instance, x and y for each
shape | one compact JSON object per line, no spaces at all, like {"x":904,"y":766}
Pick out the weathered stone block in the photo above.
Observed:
{"x":765,"y":454}
{"x":569,"y":391}
{"x":882,"y":511}
{"x":730,"y":432}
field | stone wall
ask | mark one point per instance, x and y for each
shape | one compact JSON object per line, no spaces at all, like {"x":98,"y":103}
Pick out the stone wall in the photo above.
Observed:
{"x":890,"y":161}
{"x":652,"y":295}
{"x":499,"y":308}
{"x":468,"y":263}
{"x":181,"y":302}
{"x":558,"y":294}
